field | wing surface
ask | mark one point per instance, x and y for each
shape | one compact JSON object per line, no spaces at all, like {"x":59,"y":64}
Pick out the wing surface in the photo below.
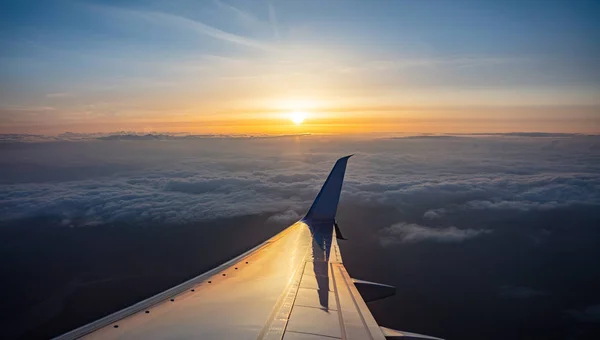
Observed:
{"x":293,"y":286}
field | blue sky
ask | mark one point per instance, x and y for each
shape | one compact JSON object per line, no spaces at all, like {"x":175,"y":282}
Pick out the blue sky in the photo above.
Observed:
{"x":148,"y":64}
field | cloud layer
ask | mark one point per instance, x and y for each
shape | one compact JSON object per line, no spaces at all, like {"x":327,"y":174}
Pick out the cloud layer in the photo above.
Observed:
{"x":182,"y":180}
{"x":411,"y":233}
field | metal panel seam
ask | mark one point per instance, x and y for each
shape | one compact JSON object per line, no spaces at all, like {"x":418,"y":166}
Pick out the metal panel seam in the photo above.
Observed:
{"x":160,"y":297}
{"x":291,"y":287}
{"x":337,"y":300}
{"x":362,"y":318}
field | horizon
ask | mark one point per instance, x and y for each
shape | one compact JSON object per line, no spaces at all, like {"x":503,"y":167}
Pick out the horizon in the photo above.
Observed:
{"x":69,"y":136}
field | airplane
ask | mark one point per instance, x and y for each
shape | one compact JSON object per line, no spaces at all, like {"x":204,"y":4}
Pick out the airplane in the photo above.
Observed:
{"x":294,"y":286}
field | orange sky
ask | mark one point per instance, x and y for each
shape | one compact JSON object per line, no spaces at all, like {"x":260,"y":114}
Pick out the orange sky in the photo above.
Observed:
{"x":218,"y":69}
{"x":573,"y":119}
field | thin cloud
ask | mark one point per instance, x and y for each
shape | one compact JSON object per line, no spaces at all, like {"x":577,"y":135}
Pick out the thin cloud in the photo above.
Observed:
{"x":273,"y":20}
{"x":288,"y":216}
{"x":184,"y":23}
{"x":241,"y":16}
{"x":205,"y":29}
{"x":434,"y":214}
{"x":414,"y":233}
{"x":28,"y":108}
{"x":59,"y":95}
{"x":399,"y":64}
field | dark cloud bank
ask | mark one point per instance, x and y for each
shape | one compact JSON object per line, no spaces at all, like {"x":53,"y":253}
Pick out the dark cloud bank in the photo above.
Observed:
{"x":486,"y":237}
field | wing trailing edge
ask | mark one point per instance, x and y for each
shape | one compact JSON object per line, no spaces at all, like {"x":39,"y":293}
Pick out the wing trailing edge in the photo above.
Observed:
{"x":391,"y":334}
{"x":373,"y":291}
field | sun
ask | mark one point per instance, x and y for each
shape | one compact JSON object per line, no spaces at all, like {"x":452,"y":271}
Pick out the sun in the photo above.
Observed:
{"x":297,"y":117}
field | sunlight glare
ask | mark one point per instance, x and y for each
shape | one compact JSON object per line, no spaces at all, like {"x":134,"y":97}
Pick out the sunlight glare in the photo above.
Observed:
{"x":297,"y":117}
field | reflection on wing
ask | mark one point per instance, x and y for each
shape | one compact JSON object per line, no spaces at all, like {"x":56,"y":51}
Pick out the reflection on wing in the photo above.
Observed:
{"x":292,"y":286}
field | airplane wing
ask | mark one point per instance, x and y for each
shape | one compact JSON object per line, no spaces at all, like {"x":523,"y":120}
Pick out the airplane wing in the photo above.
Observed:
{"x":293,"y":286}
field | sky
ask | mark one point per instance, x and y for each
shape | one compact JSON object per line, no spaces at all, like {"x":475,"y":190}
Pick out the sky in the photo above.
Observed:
{"x":244,"y":67}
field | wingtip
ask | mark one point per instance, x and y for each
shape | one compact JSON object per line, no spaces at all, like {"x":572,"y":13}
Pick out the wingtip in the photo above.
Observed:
{"x":345,"y":157}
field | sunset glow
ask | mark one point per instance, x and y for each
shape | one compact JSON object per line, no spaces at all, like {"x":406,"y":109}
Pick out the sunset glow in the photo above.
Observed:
{"x":226,"y":67}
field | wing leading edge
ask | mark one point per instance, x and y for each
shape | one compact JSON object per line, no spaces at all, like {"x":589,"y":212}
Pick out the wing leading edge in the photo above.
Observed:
{"x":293,"y":286}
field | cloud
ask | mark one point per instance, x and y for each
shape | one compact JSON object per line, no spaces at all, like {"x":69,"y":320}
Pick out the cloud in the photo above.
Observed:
{"x":148,"y":136}
{"x":273,"y":20}
{"x":288,"y":216}
{"x":180,"y":22}
{"x":528,"y":134}
{"x":293,"y":178}
{"x":399,"y":64}
{"x":589,"y":314}
{"x":413,"y":233}
{"x":510,"y":205}
{"x":518,"y":292}
{"x":183,"y":178}
{"x":200,"y":186}
{"x":24,"y":138}
{"x":129,"y":135}
{"x":25,"y":108}
{"x":239,"y":14}
{"x":434,"y":214}
{"x":59,"y":95}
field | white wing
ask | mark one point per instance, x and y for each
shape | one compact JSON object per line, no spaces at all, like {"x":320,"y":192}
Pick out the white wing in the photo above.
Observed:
{"x":292,"y":286}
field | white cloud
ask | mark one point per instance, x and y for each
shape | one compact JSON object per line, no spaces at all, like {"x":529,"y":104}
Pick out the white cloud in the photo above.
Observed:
{"x":412,"y":233}
{"x":166,"y":178}
{"x":179,"y":22}
{"x":434,"y":214}
{"x":288,"y":216}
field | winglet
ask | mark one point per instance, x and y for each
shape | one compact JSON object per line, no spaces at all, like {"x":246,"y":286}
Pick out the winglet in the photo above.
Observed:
{"x":325,"y":205}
